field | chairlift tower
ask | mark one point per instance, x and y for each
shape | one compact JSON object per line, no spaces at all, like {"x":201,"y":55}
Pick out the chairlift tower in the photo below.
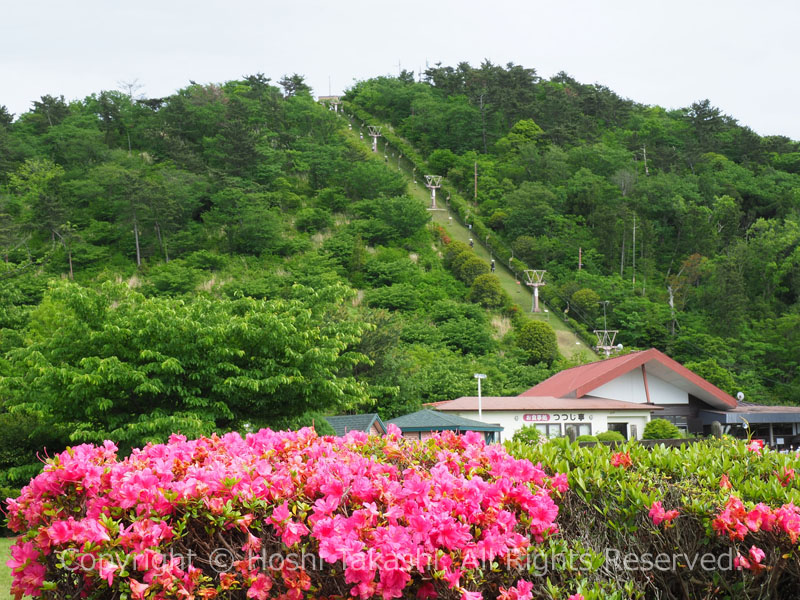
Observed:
{"x":434,"y":182}
{"x":535,"y":279}
{"x":605,"y":341}
{"x":606,"y":336}
{"x":375,"y":132}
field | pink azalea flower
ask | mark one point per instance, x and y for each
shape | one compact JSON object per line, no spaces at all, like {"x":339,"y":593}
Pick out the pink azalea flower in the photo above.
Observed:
{"x":786,"y":476}
{"x":293,"y":532}
{"x":280,"y":514}
{"x":740,"y":562}
{"x":260,"y":587}
{"x":22,"y":554}
{"x":106,"y":569}
{"x":137,"y":589}
{"x":621,"y":459}
{"x":560,"y":482}
{"x":757,"y":554}
{"x":755,"y":446}
{"x":659,"y":515}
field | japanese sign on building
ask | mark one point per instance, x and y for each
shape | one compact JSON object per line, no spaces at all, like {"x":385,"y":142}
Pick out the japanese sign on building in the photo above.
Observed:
{"x":554,"y":417}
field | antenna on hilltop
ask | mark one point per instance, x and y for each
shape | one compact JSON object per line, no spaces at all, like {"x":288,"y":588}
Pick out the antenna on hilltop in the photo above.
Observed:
{"x":375,"y":132}
{"x":434,"y":182}
{"x":535,"y":279}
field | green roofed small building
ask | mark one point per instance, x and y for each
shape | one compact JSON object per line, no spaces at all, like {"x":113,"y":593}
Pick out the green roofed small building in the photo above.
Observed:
{"x":368,"y":423}
{"x":424,"y":423}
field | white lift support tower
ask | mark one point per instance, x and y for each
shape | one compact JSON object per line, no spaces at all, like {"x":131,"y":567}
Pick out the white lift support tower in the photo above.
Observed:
{"x":605,"y":341}
{"x":375,"y":132}
{"x":434,"y":182}
{"x":535,"y":279}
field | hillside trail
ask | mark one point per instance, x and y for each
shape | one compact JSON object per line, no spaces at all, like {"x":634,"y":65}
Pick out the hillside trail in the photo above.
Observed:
{"x":569,"y":344}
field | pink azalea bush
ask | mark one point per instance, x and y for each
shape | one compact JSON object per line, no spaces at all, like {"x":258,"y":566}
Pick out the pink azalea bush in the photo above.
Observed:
{"x":285,"y":515}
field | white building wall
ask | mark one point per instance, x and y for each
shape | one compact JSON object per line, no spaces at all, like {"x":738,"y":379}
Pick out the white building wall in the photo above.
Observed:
{"x":512,"y":421}
{"x":662,"y":392}
{"x":630,"y":388}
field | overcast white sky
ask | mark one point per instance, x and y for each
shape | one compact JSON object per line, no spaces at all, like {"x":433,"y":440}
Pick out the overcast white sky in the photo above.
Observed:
{"x":742,"y":55}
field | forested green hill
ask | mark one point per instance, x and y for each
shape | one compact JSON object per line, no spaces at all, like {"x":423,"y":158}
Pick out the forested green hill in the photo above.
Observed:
{"x":227,"y":257}
{"x":232,"y":256}
{"x":714,"y":276}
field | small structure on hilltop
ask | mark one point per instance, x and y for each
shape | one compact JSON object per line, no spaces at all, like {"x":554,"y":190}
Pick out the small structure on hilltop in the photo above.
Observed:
{"x":333,"y":102}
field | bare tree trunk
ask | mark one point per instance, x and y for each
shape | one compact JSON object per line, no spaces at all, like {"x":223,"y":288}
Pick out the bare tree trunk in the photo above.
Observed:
{"x":161,"y":242}
{"x":67,"y":249}
{"x":622,"y":258}
{"x":644,"y":154}
{"x":136,"y":237}
{"x":672,"y":307}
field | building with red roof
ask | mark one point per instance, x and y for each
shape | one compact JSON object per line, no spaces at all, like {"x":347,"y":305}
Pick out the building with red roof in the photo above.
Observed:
{"x":622,"y":394}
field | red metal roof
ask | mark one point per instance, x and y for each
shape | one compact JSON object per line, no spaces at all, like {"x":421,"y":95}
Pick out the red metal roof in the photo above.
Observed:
{"x":495,"y":403}
{"x":580,"y":381}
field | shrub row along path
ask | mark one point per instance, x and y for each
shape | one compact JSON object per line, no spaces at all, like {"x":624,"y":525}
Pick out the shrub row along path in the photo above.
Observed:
{"x":569,"y":344}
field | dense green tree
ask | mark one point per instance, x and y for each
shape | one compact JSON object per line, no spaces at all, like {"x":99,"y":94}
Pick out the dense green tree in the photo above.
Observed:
{"x":486,"y":291}
{"x":538,"y":340}
{"x":470,"y":269}
{"x":587,"y":301}
{"x":112,"y":364}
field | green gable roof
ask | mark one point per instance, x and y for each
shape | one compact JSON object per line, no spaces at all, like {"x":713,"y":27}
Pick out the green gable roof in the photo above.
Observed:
{"x":432,"y":420}
{"x":343,"y":423}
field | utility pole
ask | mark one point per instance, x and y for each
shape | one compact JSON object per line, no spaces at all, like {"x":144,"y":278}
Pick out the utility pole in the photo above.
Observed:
{"x":434,"y":182}
{"x":535,"y":279}
{"x":634,"y":250}
{"x":479,"y":376}
{"x":375,"y":132}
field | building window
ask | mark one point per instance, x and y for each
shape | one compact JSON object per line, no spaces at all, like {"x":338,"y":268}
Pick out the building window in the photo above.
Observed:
{"x":578,"y":428}
{"x":549,"y":430}
{"x":679,"y":422}
{"x":620,"y":428}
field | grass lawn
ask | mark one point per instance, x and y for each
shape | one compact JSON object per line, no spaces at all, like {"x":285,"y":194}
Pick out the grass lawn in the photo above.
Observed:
{"x":5,"y":572}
